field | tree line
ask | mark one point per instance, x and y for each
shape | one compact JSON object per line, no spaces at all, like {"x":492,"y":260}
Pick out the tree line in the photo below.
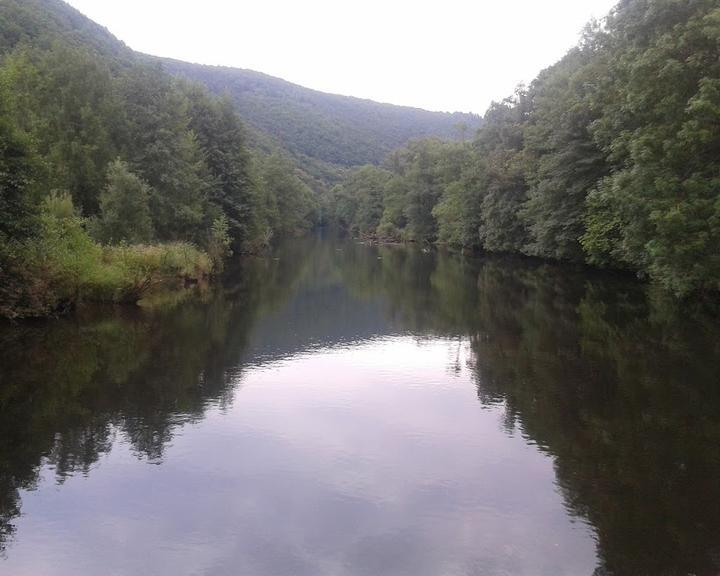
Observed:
{"x":609,"y":157}
{"x":113,"y":172}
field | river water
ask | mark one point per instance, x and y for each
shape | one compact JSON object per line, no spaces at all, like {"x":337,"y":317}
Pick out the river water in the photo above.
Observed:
{"x":341,"y":409}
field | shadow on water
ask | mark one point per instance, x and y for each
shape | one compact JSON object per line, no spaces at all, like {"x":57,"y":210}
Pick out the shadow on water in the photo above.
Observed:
{"x":620,"y":388}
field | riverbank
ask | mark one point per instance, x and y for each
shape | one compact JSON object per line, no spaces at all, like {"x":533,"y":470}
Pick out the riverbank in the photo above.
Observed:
{"x":42,"y":279}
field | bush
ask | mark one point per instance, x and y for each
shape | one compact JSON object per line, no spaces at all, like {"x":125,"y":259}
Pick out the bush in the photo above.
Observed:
{"x":62,"y":266}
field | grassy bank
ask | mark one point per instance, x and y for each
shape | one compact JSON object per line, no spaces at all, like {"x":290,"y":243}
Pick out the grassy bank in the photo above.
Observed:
{"x":63,"y":266}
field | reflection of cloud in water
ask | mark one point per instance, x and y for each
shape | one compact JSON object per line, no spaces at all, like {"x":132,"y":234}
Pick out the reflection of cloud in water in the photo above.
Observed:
{"x":359,"y":460}
{"x":321,"y":416}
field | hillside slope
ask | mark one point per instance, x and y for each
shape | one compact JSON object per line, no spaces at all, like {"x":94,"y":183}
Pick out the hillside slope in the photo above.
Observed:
{"x":40,"y":22}
{"x":340,"y":130}
{"x":322,"y":132}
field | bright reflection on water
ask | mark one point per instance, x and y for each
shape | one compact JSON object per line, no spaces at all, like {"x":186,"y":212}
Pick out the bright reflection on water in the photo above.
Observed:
{"x":347,"y":410}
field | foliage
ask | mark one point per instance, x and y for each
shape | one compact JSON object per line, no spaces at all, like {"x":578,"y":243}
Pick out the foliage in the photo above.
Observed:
{"x":610,"y":157}
{"x":134,"y":153}
{"x":62,"y":265}
{"x":567,"y":161}
{"x":137,"y":269}
{"x":220,"y":241}
{"x":288,"y":205}
{"x":323,"y":128}
{"x":15,"y":176}
{"x":232,"y":193}
{"x":658,"y":210}
{"x":358,"y":201}
{"x":124,"y":207}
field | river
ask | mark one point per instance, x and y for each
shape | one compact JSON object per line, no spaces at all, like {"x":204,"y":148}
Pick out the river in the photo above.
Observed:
{"x":342,"y":409}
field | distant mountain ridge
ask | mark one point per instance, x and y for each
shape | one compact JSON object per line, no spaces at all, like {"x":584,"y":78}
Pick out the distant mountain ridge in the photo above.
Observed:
{"x":323,"y":133}
{"x":341,"y":130}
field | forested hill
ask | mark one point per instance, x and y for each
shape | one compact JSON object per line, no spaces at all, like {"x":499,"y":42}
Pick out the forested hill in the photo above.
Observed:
{"x":339,"y":130}
{"x":115,"y":176}
{"x":41,"y":22}
{"x":320,"y":131}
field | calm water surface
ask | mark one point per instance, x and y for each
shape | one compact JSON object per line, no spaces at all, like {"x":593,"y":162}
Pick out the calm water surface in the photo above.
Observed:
{"x":338,"y":409}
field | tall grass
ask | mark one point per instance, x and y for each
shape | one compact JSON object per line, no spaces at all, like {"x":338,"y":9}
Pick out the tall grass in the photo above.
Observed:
{"x":63,"y":266}
{"x":127,"y":272}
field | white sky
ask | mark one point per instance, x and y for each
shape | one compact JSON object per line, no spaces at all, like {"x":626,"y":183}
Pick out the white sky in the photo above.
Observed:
{"x":440,"y":55}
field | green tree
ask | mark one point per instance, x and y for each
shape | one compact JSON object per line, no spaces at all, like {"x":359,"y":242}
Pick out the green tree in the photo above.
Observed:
{"x":393,"y":221}
{"x":564,"y":162}
{"x":458,"y":212}
{"x":221,"y":136}
{"x":658,"y":212}
{"x":15,"y":176}
{"x":64,"y":100}
{"x":167,"y":154}
{"x":289,"y":205}
{"x":359,"y":200}
{"x":502,"y":228}
{"x":124,"y":207}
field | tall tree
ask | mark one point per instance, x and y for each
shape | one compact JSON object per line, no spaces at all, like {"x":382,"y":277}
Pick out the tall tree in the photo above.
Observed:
{"x":125,"y":207}
{"x":658,"y":210}
{"x":166,"y":153}
{"x":564,"y":162}
{"x":501,"y":144}
{"x":221,"y":136}
{"x":64,"y":99}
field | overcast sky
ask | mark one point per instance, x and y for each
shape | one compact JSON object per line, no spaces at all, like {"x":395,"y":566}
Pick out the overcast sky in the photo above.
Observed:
{"x":440,"y":55}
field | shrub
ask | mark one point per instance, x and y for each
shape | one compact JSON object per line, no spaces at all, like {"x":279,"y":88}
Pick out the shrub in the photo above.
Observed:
{"x":62,"y":266}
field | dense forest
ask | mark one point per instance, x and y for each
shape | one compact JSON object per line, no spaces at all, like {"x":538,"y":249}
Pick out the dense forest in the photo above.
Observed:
{"x":119,"y":171}
{"x":610,"y":157}
{"x":115,"y":175}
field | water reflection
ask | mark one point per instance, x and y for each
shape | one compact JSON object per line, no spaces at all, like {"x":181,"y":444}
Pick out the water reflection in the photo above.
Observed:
{"x":315,"y":416}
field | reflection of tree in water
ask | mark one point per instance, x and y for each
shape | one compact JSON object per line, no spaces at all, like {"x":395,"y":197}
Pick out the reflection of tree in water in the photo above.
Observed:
{"x":621,"y":390}
{"x":67,"y":386}
{"x":626,"y":400}
{"x":619,"y":387}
